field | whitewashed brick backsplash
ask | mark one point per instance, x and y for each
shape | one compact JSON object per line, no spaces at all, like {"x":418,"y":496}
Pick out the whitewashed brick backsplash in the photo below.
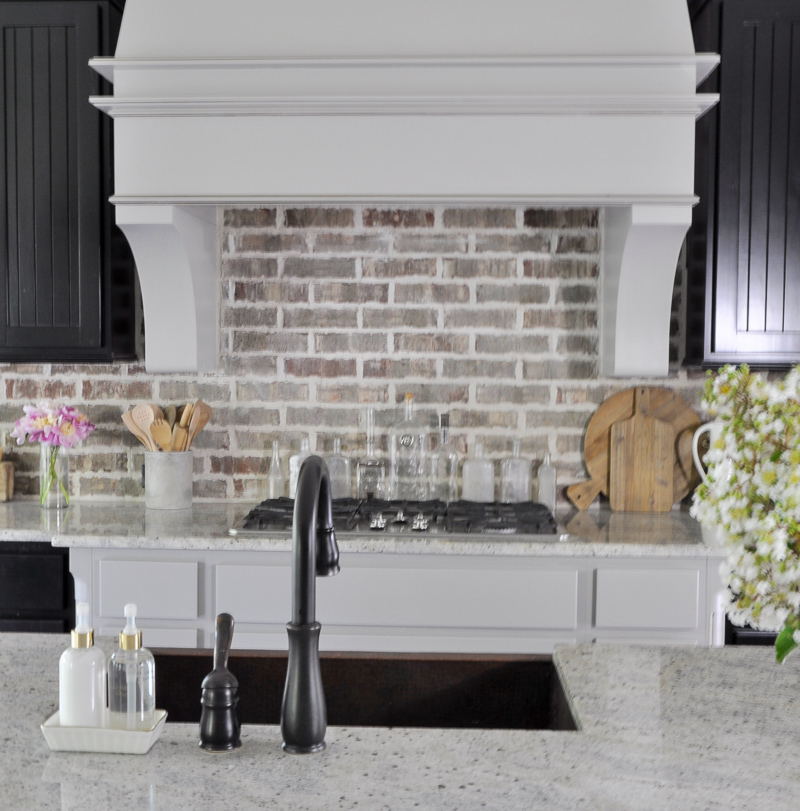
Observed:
{"x":489,"y":314}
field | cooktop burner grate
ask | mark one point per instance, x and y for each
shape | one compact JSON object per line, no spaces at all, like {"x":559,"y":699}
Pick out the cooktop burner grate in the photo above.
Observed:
{"x":433,"y":517}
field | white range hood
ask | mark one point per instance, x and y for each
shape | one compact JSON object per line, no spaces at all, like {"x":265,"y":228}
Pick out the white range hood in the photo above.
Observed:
{"x":534,"y":102}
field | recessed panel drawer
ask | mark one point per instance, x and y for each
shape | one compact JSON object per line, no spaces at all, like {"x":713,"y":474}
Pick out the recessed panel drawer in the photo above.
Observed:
{"x":161,"y":590}
{"x":647,"y":598}
{"x":450,"y":598}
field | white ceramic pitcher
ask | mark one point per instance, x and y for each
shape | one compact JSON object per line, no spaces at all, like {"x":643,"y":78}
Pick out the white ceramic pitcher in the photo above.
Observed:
{"x":724,"y":470}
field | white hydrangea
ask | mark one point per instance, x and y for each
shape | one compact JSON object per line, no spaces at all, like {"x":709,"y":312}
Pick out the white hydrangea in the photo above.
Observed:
{"x":754,"y":494}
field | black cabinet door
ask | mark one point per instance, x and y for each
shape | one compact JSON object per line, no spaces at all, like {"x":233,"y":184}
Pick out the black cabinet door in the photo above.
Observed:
{"x":36,"y":588}
{"x":55,"y":223}
{"x":752,"y":233}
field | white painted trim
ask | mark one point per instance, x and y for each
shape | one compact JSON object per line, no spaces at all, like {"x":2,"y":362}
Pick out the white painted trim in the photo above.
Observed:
{"x":704,"y":63}
{"x":627,"y":105}
{"x":542,"y":201}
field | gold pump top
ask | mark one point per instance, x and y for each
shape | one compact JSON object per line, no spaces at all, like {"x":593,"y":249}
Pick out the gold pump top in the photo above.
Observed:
{"x":82,"y":639}
{"x":130,"y":641}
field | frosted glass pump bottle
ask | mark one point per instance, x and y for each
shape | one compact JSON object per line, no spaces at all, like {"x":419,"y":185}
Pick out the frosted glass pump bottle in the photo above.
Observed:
{"x":478,"y":477}
{"x":82,"y":677}
{"x":131,"y":679}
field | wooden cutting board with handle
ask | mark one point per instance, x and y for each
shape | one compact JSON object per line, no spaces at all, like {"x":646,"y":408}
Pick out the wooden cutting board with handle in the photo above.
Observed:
{"x":640,"y":464}
{"x":664,"y":405}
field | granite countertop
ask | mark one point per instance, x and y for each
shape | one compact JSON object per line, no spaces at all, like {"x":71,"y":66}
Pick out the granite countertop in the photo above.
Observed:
{"x":660,"y":729}
{"x":127,"y":524}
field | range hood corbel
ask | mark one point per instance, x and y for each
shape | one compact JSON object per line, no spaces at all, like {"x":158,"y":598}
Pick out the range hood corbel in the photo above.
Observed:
{"x":459,"y":102}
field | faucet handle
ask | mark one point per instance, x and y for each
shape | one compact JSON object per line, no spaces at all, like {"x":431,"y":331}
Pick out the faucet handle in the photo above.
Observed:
{"x":327,"y":563}
{"x":222,"y":641}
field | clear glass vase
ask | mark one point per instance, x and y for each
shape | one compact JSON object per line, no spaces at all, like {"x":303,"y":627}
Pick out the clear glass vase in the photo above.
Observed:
{"x":54,"y":476}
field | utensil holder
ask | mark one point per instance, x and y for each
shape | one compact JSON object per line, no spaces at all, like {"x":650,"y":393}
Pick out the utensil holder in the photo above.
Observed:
{"x":168,"y":480}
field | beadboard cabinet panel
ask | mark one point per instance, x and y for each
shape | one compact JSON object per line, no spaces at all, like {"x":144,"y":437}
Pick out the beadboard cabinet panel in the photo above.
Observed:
{"x":745,"y":238}
{"x":66,"y":278}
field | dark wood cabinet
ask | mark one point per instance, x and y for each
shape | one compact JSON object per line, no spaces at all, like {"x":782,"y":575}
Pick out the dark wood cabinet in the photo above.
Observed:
{"x":67,"y":285}
{"x":743,"y":250}
{"x":36,"y":588}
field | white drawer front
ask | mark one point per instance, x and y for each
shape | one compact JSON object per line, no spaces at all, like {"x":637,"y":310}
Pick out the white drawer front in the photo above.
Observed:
{"x":160,"y":637}
{"x":635,"y":598}
{"x":441,"y":598}
{"x":161,"y":590}
{"x":254,"y":593}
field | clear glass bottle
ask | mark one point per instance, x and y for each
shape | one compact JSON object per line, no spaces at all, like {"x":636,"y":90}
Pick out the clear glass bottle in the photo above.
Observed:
{"x":515,"y":477}
{"x":276,"y":486}
{"x":477,"y":477}
{"x":131,"y":679}
{"x":370,"y":470}
{"x":295,"y":463}
{"x":82,"y":673}
{"x":339,"y":472}
{"x":546,"y":484}
{"x":444,"y":465}
{"x":408,"y":446}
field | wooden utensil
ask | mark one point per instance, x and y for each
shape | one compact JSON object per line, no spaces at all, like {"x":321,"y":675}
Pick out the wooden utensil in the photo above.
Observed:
{"x":134,"y":429}
{"x":180,"y":433}
{"x":169,"y":415}
{"x":201,"y":414}
{"x":162,"y":434}
{"x":664,"y":405}
{"x":143,"y":416}
{"x":641,"y":460}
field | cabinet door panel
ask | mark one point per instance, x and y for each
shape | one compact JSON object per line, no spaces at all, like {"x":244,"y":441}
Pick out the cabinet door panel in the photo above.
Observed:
{"x":161,"y":590}
{"x":755,"y":283}
{"x":636,"y":598}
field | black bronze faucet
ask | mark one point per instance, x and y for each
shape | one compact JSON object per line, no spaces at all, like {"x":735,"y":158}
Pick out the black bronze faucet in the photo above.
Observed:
{"x":314,"y":552}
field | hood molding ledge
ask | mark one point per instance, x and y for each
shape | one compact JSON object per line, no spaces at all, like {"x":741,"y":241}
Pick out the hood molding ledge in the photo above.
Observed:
{"x":200,"y":125}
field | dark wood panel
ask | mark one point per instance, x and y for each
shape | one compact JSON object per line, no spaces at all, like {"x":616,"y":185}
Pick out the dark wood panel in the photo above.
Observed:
{"x":60,"y":254}
{"x":748,"y":221}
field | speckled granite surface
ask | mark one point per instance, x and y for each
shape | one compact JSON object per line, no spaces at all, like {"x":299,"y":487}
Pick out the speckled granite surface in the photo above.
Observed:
{"x":125,"y":524}
{"x":663,"y":729}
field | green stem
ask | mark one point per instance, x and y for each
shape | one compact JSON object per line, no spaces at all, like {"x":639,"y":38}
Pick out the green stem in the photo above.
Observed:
{"x":51,"y":476}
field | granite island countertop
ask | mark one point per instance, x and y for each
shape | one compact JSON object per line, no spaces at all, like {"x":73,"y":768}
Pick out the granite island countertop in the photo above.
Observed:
{"x":661,"y":729}
{"x":127,"y":524}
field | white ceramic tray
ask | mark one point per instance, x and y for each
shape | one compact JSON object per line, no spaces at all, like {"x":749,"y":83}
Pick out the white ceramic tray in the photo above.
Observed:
{"x":102,"y":739}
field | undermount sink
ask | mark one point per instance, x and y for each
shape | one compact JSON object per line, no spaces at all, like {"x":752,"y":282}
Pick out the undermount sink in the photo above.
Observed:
{"x":386,"y":690}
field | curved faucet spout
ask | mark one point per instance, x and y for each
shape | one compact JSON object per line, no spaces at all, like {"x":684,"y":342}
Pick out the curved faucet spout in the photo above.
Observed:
{"x":314,"y":552}
{"x":314,"y":549}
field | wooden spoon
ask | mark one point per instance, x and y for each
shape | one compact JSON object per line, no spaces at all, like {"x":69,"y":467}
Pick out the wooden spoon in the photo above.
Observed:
{"x":201,"y":414}
{"x":143,"y":416}
{"x":180,"y":432}
{"x":134,"y":429}
{"x":169,"y":415}
{"x":162,"y":434}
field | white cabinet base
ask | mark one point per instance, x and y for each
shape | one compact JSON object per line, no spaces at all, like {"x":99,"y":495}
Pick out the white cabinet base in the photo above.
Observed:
{"x":403,"y":603}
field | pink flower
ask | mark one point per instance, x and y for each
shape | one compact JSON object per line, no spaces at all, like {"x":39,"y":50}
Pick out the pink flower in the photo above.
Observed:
{"x":52,"y":425}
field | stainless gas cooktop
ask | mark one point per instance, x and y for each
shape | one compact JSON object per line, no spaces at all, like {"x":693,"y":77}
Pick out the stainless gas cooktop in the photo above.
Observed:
{"x":365,"y":517}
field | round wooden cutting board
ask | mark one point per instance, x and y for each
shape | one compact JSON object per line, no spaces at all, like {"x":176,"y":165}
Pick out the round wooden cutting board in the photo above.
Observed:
{"x":665,"y":405}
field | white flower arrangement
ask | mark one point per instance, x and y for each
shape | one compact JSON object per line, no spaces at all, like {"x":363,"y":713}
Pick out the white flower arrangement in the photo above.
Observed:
{"x":753,"y":494}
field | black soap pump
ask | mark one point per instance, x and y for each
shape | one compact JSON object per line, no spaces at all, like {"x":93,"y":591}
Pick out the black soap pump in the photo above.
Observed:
{"x":219,"y":724}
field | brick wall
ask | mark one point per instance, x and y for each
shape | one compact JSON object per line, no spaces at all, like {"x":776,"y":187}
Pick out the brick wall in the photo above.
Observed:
{"x":489,"y":314}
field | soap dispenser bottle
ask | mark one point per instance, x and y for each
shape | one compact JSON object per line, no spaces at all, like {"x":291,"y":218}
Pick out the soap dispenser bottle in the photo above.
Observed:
{"x":82,"y":677}
{"x":131,"y":679}
{"x":478,"y":477}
